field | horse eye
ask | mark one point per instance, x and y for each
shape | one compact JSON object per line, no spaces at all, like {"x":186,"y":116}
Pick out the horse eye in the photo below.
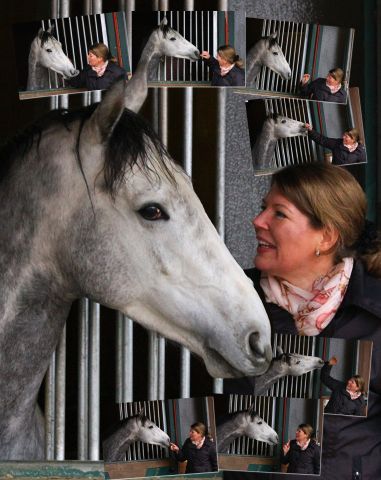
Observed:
{"x":48,"y":50}
{"x":260,"y":423}
{"x":172,"y":39}
{"x":297,"y":363}
{"x":283,"y":121}
{"x":153,"y":212}
{"x":275,"y":53}
{"x":151,"y":426}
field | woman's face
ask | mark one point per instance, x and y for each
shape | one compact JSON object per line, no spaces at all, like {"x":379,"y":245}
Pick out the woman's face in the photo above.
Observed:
{"x":300,"y":436}
{"x":348,"y":139}
{"x":222,"y":62}
{"x":93,"y":60}
{"x":352,"y":385}
{"x":195,"y":436}
{"x":331,"y":81}
{"x":287,"y":243}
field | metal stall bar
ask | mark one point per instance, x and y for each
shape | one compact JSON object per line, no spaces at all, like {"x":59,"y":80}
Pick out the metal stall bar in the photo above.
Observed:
{"x":185,"y":361}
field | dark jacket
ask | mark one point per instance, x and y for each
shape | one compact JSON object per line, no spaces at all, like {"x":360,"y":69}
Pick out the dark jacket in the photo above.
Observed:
{"x":340,"y":401}
{"x":234,"y":78}
{"x":199,"y":460}
{"x":302,"y":461}
{"x":341,"y":155}
{"x":89,"y":79}
{"x":350,"y":444}
{"x":318,"y":90}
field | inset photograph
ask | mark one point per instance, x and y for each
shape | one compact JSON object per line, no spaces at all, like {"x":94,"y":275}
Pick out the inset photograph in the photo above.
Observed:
{"x":285,"y":131}
{"x":267,"y":434}
{"x":336,"y":370}
{"x":299,"y":59}
{"x":63,"y":55}
{"x":162,"y":438}
{"x":184,"y":48}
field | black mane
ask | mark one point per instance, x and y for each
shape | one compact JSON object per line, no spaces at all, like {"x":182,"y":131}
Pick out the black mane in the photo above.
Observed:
{"x":45,"y":36}
{"x":133,"y":140}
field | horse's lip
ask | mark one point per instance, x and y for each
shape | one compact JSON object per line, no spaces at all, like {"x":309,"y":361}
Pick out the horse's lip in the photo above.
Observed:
{"x":229,"y":370}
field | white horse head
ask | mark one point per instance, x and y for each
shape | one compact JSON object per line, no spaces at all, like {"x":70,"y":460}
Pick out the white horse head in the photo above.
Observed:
{"x":273,"y":57}
{"x":257,"y":429}
{"x":283,"y":127}
{"x":146,"y":431}
{"x":49,"y":54}
{"x":171,"y":44}
{"x":296,"y":364}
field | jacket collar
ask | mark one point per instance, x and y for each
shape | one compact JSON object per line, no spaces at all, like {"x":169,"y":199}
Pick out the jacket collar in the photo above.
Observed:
{"x":363,"y":290}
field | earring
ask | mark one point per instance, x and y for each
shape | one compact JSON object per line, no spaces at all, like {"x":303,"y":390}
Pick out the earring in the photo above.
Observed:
{"x":317,"y":252}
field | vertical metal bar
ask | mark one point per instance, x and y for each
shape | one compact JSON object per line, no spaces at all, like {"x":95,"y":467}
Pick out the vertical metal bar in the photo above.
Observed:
{"x":49,"y":409}
{"x":60,"y":397}
{"x":94,"y":386}
{"x":152,"y":365}
{"x":220,"y":178}
{"x":83,"y":335}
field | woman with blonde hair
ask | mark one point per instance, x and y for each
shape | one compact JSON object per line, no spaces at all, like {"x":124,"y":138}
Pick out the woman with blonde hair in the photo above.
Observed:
{"x":346,"y":150}
{"x":318,"y":272}
{"x":302,"y":455}
{"x":227,"y":69}
{"x":328,"y":89}
{"x":101,"y":71}
{"x":198,"y":450}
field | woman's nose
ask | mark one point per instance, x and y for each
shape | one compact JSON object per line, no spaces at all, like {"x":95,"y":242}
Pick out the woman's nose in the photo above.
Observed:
{"x":260,"y":220}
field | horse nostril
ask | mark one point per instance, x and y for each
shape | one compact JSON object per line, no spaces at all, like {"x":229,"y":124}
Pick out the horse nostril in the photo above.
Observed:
{"x":256,"y":345}
{"x":197,"y":53}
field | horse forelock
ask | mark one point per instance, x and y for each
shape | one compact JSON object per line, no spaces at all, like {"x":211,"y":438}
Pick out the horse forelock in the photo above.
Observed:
{"x":133,"y":142}
{"x":272,"y":42}
{"x":166,"y":29}
{"x":45,"y":37}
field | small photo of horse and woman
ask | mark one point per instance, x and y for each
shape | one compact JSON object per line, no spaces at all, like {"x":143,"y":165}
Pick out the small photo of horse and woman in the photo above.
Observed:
{"x":299,"y":60}
{"x":283,"y":130}
{"x":91,"y":52}
{"x":268,"y":434}
{"x":336,"y":371}
{"x":162,"y":437}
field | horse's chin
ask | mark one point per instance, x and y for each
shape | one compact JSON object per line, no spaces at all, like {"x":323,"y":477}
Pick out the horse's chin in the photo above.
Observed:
{"x":218,"y":367}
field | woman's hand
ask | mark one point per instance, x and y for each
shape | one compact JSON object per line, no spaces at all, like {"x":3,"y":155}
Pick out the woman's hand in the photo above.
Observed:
{"x":332,"y":361}
{"x":173,"y":447}
{"x":306,"y":78}
{"x":205,"y":55}
{"x":308,"y":126}
{"x":286,"y":447}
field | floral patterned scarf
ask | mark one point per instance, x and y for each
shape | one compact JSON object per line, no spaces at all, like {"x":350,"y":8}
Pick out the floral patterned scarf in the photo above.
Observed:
{"x":100,"y":70}
{"x":334,"y":89}
{"x":312,"y":311}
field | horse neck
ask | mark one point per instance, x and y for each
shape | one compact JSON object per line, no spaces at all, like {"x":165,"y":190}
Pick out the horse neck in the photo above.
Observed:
{"x":271,"y":376}
{"x":254,"y":64}
{"x":264,"y":147}
{"x":229,"y":431}
{"x":38,"y":77}
{"x":138,"y":85}
{"x":114,"y":447}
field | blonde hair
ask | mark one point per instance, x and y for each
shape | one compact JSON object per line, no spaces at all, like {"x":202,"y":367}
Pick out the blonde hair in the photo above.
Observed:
{"x":354,"y":134}
{"x":101,"y":50}
{"x":228,"y":53}
{"x":337,"y":74}
{"x":307,"y":429}
{"x":360,"y":382}
{"x":331,"y":197}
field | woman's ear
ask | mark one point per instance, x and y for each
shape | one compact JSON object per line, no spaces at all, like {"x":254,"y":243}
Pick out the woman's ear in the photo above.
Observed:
{"x":330,"y":238}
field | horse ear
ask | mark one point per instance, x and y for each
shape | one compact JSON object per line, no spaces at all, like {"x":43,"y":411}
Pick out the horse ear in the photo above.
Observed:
{"x":274,"y":35}
{"x":40,"y":33}
{"x":251,"y":410}
{"x":163,"y":23}
{"x":108,"y":112}
{"x":51,"y":28}
{"x":279,"y":350}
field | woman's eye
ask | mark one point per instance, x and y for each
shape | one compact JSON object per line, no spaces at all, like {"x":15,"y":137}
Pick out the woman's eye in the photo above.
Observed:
{"x":280,"y":214}
{"x":263,"y":207}
{"x":153,"y":212}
